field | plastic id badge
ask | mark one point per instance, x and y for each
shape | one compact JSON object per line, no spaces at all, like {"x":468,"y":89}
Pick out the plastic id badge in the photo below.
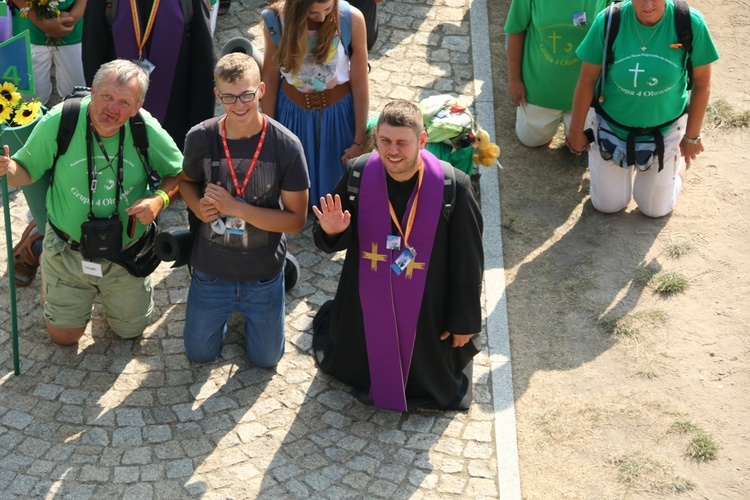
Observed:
{"x":403,"y":261}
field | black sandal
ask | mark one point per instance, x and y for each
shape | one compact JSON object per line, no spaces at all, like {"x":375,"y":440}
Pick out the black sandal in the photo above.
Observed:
{"x":224,"y":6}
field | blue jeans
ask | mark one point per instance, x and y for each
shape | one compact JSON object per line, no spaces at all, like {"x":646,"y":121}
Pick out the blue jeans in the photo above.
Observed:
{"x":210,"y":303}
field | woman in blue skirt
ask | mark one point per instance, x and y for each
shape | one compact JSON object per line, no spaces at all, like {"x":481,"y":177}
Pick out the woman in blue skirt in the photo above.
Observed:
{"x":315,"y":71}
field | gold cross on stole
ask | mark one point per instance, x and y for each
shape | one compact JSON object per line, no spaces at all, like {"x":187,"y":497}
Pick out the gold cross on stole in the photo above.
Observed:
{"x":412,"y":266}
{"x":374,"y":257}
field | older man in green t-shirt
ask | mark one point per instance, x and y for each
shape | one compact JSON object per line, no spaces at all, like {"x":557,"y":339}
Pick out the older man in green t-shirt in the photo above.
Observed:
{"x":101,"y":175}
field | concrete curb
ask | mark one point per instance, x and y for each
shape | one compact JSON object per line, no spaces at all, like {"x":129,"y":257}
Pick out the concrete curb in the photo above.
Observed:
{"x":506,"y":445}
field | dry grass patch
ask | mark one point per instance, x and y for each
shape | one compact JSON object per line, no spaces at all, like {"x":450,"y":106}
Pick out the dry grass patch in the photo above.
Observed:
{"x":648,"y":475}
{"x":679,"y":249}
{"x":721,"y":114}
{"x":669,"y":282}
{"x":629,"y":326}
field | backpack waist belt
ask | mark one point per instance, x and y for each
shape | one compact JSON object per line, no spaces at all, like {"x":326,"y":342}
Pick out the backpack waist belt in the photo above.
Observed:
{"x":316,"y":100}
{"x":634,"y":132}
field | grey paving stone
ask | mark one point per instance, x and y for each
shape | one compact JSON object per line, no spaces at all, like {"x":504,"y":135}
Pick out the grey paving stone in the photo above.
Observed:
{"x":137,"y":456}
{"x":126,"y":474}
{"x":127,"y":436}
{"x":139,"y":491}
{"x":16,"y":419}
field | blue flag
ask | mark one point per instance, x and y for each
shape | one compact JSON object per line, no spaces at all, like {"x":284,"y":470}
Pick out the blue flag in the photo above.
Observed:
{"x":15,"y":63}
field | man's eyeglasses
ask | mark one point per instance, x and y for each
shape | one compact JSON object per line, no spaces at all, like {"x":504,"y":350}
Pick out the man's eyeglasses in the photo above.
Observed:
{"x":246,"y":97}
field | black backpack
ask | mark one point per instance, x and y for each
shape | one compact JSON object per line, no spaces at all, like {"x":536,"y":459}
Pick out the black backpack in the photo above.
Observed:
{"x":449,"y":189}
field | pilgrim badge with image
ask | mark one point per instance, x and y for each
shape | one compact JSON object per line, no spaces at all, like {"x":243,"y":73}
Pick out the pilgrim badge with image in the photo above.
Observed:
{"x":101,"y":238}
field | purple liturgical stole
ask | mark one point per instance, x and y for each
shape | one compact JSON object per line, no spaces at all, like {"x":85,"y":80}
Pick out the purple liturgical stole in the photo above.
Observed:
{"x":162,"y":50}
{"x":391,"y":302}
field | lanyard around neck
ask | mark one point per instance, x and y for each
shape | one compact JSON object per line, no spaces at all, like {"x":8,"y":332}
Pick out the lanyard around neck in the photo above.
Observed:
{"x":240,"y":191}
{"x":412,"y":211}
{"x":92,"y":169}
{"x":141,"y":39}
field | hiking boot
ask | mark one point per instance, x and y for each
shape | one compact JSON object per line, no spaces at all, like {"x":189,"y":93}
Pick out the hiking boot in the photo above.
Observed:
{"x":26,"y":263}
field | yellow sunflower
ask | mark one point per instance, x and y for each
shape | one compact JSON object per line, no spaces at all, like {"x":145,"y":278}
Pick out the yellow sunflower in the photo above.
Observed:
{"x":5,"y":110}
{"x":9,"y":92}
{"x":27,"y":113}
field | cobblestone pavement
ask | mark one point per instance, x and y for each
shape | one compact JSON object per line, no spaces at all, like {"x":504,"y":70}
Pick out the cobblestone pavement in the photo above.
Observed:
{"x":137,"y":419}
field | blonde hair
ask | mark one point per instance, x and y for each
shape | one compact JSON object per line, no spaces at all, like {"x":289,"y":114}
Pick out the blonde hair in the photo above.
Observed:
{"x":294,"y":42}
{"x":234,"y":66}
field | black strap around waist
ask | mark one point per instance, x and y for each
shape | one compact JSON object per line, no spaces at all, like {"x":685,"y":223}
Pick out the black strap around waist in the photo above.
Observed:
{"x":74,"y":245}
{"x":634,"y":132}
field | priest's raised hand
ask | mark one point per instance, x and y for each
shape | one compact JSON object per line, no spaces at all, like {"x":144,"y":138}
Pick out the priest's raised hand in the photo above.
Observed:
{"x":333,"y":220}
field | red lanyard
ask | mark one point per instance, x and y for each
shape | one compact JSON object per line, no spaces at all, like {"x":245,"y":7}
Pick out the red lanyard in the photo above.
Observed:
{"x":241,"y":191}
{"x":141,"y":40}
{"x":412,"y":212}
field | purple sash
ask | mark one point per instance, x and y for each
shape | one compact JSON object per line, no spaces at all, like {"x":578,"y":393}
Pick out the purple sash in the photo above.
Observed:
{"x":163,"y":49}
{"x":391,"y":302}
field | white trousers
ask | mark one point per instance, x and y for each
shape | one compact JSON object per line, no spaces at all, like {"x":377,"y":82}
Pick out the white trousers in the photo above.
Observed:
{"x":68,"y":69}
{"x":654,"y":192}
{"x":536,"y":126}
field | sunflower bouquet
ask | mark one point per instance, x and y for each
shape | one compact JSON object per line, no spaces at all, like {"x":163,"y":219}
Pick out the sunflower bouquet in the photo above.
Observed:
{"x":14,"y":111}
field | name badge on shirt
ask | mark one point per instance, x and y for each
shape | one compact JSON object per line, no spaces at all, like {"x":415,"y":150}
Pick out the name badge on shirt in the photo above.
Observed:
{"x":146,"y":65}
{"x":403,"y":261}
{"x":393,"y":242}
{"x":236,"y":225}
{"x":579,"y":19}
{"x":91,"y":268}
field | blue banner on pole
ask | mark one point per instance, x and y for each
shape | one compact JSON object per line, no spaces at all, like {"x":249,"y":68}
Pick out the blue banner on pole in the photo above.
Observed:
{"x":15,"y":63}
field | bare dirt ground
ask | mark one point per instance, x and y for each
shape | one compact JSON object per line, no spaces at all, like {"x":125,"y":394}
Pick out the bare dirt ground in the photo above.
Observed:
{"x":618,"y":386}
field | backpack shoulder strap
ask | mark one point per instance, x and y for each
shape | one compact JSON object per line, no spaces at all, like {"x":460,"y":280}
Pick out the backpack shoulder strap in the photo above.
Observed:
{"x":110,"y":11}
{"x":212,"y":130}
{"x":68,"y":121}
{"x":684,"y":29}
{"x":140,"y":141}
{"x":449,"y":189}
{"x":187,"y":10}
{"x":345,"y":26}
{"x":611,"y":28}
{"x":355,"y":177}
{"x":140,"y":137}
{"x":273,"y":23}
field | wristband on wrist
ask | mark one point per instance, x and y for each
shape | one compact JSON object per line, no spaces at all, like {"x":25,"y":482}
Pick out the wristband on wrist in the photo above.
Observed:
{"x":690,"y":140}
{"x":164,"y":197}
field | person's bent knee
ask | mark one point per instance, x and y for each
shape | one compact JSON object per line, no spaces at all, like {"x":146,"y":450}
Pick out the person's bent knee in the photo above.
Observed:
{"x":655,"y":213}
{"x":65,"y":336}
{"x":608,"y":208}
{"x":129,"y":330}
{"x":532,"y":138}
{"x":201,"y":355}
{"x":266,"y":361}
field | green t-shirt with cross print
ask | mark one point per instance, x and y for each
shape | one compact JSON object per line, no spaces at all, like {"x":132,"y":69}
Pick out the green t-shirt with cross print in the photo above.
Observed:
{"x":550,"y":66}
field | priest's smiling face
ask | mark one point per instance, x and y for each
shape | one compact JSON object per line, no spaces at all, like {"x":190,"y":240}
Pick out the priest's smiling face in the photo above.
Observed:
{"x":398,"y":148}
